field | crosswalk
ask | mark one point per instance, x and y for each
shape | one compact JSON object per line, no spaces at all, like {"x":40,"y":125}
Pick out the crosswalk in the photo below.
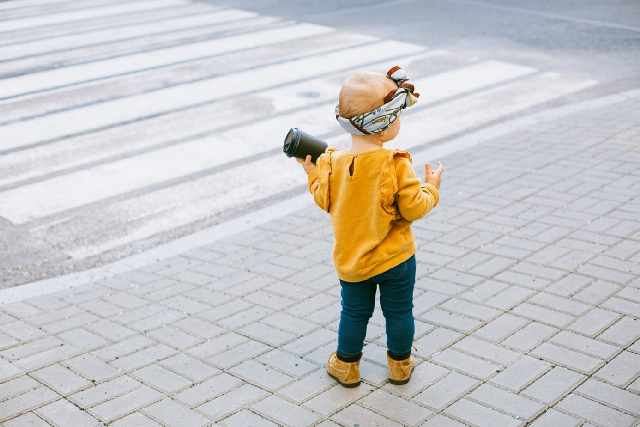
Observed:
{"x":122,"y":122}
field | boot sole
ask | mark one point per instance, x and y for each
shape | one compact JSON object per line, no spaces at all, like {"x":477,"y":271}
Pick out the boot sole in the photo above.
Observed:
{"x":399,"y":382}
{"x":347,"y":385}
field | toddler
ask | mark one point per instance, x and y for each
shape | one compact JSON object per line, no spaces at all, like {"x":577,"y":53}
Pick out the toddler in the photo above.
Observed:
{"x":372,"y":194}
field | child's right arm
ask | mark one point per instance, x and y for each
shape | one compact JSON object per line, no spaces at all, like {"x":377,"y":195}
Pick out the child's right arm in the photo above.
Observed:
{"x":415,"y":200}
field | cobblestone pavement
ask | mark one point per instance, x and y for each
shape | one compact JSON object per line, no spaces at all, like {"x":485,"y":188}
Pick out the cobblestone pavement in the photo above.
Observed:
{"x":527,"y":304}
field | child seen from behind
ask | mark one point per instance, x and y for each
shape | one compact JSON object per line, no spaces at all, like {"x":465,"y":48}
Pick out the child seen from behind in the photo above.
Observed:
{"x":373,"y":195}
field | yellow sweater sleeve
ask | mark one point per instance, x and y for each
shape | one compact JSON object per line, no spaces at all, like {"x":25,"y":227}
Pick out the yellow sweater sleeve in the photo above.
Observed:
{"x":318,"y":182}
{"x":415,"y":200}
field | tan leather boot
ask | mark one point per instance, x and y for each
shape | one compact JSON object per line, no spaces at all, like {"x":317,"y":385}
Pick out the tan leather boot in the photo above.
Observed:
{"x":400,"y":370}
{"x":346,"y":373}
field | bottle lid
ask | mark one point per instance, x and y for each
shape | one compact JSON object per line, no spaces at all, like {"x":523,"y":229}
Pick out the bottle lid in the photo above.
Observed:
{"x":291,"y":142}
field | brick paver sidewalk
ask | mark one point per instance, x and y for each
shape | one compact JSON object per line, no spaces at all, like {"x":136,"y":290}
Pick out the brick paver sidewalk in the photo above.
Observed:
{"x":527,"y":308}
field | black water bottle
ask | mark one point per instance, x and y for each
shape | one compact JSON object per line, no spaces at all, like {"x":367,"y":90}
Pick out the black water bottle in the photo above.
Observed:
{"x":299,"y":144}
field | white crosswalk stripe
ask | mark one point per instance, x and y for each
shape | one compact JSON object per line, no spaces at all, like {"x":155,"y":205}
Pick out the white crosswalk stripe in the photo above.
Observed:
{"x":74,"y":41}
{"x":134,"y":143}
{"x":112,"y":22}
{"x":66,"y":17}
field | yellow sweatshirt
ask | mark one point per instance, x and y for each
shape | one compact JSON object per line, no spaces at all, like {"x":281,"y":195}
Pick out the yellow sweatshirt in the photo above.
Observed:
{"x":372,"y":198}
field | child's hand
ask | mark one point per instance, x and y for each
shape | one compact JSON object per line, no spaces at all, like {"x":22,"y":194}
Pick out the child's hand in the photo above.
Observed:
{"x":431,"y":176}
{"x":307,"y":164}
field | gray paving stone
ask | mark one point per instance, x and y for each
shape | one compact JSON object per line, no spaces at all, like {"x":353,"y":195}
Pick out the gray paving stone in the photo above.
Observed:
{"x":288,"y":363}
{"x":622,"y":370}
{"x":630,"y":308}
{"x":466,"y":363}
{"x":603,"y":273}
{"x":8,"y":370}
{"x":209,"y":389}
{"x":7,"y":341}
{"x":21,"y":330}
{"x":479,"y":415}
{"x":523,"y":280}
{"x":442,"y":421}
{"x":568,"y":358}
{"x":623,"y":332}
{"x":501,"y":327}
{"x":48,"y":357}
{"x":466,"y":308}
{"x":238,"y":354}
{"x":483,"y":291}
{"x":373,"y":373}
{"x":125,"y":404}
{"x":310,"y":341}
{"x":509,"y":298}
{"x":594,"y":321}
{"x":553,"y":418}
{"x":320,"y":355}
{"x":17,"y":405}
{"x":174,"y":337}
{"x":450,"y":320}
{"x":398,"y":409}
{"x":530,"y":336}
{"x":486,"y":350}
{"x":260,"y":374}
{"x":60,"y":379}
{"x":357,"y":415}
{"x":105,"y":391}
{"x":143,"y":357}
{"x":594,"y":411}
{"x":17,"y":386}
{"x":135,"y":420}
{"x":123,"y":347}
{"x":597,"y":292}
{"x":553,"y":385}
{"x":611,"y":396}
{"x":505,"y":401}
{"x":64,"y":413}
{"x":447,"y":390}
{"x":225,"y":310}
{"x":521,"y":373}
{"x":245,"y":317}
{"x":569,"y":285}
{"x":189,"y":367}
{"x":232,"y":401}
{"x":310,"y":385}
{"x":198,"y":327}
{"x":435,"y":341}
{"x":160,"y":378}
{"x":110,"y":330}
{"x":217,"y":345}
{"x":170,"y":413}
{"x":554,"y":302}
{"x":245,"y":418}
{"x":82,"y":339}
{"x":543,"y":314}
{"x":285,"y":413}
{"x":336,"y":398}
{"x":31,"y":348}
{"x":267,"y":334}
{"x":29,"y":419}
{"x":156,"y":320}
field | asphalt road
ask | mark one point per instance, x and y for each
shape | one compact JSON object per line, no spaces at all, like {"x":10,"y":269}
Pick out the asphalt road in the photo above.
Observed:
{"x":600,"y":39}
{"x":107,"y":146}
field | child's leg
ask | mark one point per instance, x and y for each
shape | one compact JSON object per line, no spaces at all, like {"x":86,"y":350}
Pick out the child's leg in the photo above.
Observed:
{"x":396,"y":300}
{"x":358,"y":302}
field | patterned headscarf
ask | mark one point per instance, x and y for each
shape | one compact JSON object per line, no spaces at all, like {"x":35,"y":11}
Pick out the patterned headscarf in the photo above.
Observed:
{"x":377,"y":120}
